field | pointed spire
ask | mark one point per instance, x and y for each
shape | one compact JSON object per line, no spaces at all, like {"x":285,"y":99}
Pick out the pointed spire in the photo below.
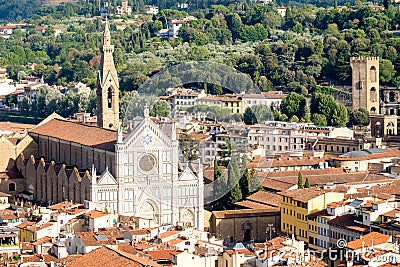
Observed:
{"x":93,"y":175}
{"x":146,"y":111}
{"x":173,"y":133}
{"x":119,"y":134}
{"x":106,"y":34}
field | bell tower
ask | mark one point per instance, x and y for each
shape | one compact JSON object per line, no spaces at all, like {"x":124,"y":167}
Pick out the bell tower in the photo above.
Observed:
{"x":107,"y":85}
{"x":365,"y":83}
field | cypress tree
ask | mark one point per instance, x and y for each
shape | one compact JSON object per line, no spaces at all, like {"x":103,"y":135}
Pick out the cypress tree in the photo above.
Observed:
{"x":233,"y":178}
{"x":300,"y":181}
{"x":219,"y":187}
{"x":307,"y":183}
{"x":244,"y":181}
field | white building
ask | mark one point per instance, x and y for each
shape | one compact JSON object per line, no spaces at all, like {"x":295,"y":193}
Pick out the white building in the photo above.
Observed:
{"x":148,"y":183}
{"x":152,"y":9}
{"x":271,"y":99}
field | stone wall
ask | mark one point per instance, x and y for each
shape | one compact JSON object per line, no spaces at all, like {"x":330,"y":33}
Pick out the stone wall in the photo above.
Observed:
{"x":232,"y":225}
{"x":51,"y":182}
{"x":12,"y":146}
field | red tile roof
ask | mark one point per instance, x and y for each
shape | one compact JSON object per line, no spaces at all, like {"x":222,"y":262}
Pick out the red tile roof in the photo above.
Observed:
{"x":94,"y":214}
{"x":284,"y":162}
{"x":265,"y":197}
{"x":92,"y":136}
{"x":303,"y":195}
{"x":368,"y":240}
{"x":105,"y":256}
{"x":160,"y":254}
{"x":245,"y":213}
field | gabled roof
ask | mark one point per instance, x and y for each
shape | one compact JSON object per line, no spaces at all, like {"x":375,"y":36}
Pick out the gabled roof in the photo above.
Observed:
{"x":305,"y":194}
{"x":369,"y":240}
{"x":87,"y":135}
{"x":105,"y":256}
{"x":106,"y":178}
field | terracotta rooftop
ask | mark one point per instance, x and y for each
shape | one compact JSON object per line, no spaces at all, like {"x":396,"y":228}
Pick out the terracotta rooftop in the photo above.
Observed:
{"x":285,"y":162}
{"x":169,"y":233}
{"x":90,"y":239}
{"x":126,"y":247}
{"x":324,"y":176}
{"x":94,"y":214}
{"x":369,"y":154}
{"x":160,"y":254}
{"x":368,"y":240}
{"x":251,"y":205}
{"x":245,"y":252}
{"x":394,"y":213}
{"x":33,"y":227}
{"x":265,"y":197}
{"x":347,"y":221}
{"x":15,"y":127}
{"x":245,"y":213}
{"x":105,"y":256}
{"x":392,"y":188}
{"x":92,"y":136}
{"x":305,"y":194}
{"x":64,"y":205}
{"x":276,"y":185}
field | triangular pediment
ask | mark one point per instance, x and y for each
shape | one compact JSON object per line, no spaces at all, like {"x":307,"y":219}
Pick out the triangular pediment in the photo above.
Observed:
{"x":106,"y":178}
{"x":187,"y":175}
{"x":146,"y":134}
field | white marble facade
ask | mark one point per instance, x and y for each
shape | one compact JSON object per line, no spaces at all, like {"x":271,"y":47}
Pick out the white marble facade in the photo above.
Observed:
{"x":147,"y":181}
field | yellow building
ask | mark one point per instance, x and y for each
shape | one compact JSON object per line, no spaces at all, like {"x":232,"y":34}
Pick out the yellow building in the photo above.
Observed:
{"x":232,"y":102}
{"x":297,"y":204}
{"x":30,"y":231}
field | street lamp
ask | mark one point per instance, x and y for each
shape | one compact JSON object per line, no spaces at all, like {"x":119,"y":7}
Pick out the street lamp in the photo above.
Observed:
{"x":270,"y":228}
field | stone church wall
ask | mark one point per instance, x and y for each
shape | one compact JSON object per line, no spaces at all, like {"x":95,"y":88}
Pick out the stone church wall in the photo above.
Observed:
{"x":53,"y":183}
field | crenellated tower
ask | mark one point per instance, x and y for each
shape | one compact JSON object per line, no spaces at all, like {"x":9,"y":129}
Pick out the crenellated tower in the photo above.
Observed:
{"x":107,"y":85}
{"x":365,"y":83}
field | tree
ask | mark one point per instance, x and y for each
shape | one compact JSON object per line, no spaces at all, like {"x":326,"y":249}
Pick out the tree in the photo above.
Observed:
{"x":188,"y":146}
{"x":219,"y":187}
{"x":244,"y":181}
{"x":386,"y":71}
{"x":226,"y":151}
{"x":294,"y":119}
{"x":199,"y":53}
{"x":299,"y":181}
{"x":307,"y":183}
{"x":235,"y":193}
{"x":248,"y":117}
{"x":319,"y":119}
{"x":339,"y":116}
{"x":294,"y":104}
{"x":257,"y":114}
{"x":359,"y":117}
{"x":160,"y":109}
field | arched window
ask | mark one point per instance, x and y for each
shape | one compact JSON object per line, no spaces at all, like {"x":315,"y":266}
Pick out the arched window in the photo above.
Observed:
{"x":373,"y":110}
{"x":372,"y":74}
{"x":11,"y":187}
{"x":109,"y":97}
{"x":372,"y":94}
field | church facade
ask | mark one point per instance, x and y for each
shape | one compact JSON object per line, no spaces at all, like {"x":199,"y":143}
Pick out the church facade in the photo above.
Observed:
{"x":134,"y":172}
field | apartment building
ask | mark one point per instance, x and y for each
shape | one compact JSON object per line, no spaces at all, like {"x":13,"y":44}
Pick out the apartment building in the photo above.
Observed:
{"x":280,"y":136}
{"x":297,"y":204}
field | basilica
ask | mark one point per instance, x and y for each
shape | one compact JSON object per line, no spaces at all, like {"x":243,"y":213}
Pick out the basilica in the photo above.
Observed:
{"x":133,"y":172}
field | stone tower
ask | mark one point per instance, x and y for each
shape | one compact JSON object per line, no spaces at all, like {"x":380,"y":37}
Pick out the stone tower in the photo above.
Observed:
{"x":365,"y":83}
{"x":107,"y":86}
